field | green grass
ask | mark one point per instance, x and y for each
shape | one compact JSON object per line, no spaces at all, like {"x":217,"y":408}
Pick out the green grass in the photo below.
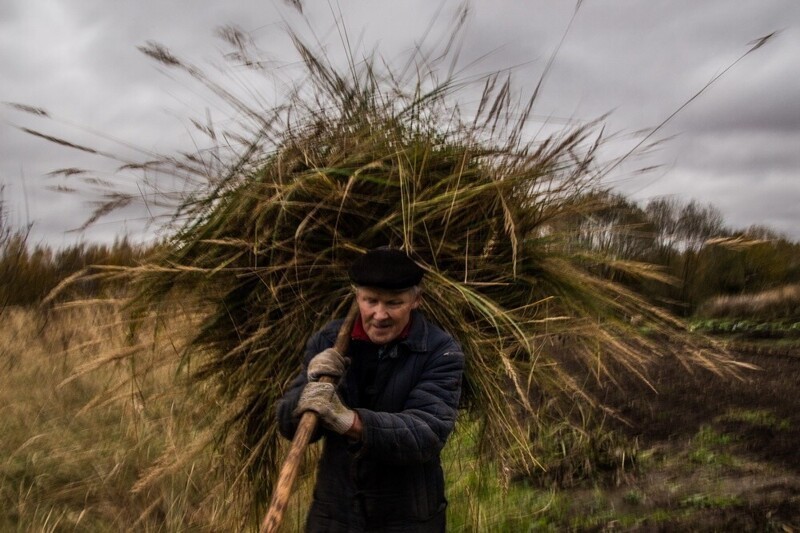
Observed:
{"x":710,"y":501}
{"x":480,"y":498}
{"x":709,"y":448}
{"x":757,"y":417}
{"x":634,"y":497}
{"x":483,"y":499}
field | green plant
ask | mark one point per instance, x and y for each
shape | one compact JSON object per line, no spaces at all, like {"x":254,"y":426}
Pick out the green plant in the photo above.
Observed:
{"x":756,"y":417}
{"x":634,"y":497}
{"x":708,"y":448}
{"x":709,"y":501}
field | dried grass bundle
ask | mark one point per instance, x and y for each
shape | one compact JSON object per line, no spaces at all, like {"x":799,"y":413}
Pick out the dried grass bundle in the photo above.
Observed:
{"x":781,"y":302}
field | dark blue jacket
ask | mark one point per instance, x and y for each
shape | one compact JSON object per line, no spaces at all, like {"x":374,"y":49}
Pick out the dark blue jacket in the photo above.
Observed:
{"x":392,"y":480}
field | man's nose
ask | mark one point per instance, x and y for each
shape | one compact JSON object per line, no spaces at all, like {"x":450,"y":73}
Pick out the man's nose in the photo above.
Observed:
{"x":380,"y":313}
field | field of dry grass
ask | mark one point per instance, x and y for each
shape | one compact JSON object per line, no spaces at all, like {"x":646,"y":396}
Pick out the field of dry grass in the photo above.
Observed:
{"x":82,"y":424}
{"x":86,"y":428}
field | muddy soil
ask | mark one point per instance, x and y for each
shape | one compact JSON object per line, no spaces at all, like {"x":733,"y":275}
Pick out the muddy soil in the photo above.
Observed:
{"x":723,"y":454}
{"x":685,"y":402}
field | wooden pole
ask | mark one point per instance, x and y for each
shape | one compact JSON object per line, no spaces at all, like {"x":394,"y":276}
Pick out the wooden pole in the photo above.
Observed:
{"x":308,"y":423}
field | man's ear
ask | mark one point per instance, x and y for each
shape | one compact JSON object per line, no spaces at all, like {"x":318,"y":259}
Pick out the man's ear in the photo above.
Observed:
{"x":417,"y":301}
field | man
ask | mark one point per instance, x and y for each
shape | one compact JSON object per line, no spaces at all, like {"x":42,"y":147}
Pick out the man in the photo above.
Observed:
{"x":387,"y":421}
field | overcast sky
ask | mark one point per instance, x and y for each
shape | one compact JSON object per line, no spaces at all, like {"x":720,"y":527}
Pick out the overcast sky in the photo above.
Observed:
{"x":737,"y":146}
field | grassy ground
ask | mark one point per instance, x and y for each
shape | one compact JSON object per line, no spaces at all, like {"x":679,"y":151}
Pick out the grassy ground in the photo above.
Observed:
{"x":701,"y":483}
{"x":713,"y":455}
{"x":76,"y":439}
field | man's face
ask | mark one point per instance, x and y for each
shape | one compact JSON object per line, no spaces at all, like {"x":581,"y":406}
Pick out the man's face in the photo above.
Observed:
{"x":385,"y":313}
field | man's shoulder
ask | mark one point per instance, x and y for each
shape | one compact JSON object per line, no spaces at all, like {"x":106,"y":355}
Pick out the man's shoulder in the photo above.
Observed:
{"x":332,"y":327}
{"x":439,"y":340}
{"x":325,"y":336}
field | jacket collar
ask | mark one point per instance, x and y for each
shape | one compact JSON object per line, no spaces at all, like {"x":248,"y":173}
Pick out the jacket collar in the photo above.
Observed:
{"x":417,"y":340}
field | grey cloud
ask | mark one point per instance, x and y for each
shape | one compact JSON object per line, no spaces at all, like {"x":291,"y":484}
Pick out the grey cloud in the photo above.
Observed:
{"x":763,"y":94}
{"x":739,"y":152}
{"x":735,"y":145}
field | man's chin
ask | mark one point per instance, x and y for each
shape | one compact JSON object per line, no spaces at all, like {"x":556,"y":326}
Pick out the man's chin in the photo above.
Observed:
{"x":380,"y":337}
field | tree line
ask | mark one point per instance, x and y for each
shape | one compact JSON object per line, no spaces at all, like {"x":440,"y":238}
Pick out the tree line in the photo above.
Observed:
{"x":687,"y":241}
{"x":691,"y":244}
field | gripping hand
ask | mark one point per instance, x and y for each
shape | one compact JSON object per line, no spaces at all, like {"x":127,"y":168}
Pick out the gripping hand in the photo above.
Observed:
{"x":326,"y":363}
{"x":323,"y":400}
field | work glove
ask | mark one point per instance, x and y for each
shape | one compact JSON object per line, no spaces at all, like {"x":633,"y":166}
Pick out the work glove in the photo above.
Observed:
{"x":323,"y":400}
{"x":326,"y":363}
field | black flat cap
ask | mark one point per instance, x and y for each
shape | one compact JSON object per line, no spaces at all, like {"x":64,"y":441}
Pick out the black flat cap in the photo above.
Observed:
{"x":385,"y":268}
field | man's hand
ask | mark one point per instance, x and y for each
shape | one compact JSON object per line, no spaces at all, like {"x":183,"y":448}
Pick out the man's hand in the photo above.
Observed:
{"x":323,"y":400}
{"x":326,"y":363}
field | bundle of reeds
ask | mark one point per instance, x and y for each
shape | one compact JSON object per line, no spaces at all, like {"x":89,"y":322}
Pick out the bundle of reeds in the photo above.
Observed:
{"x":361,"y":158}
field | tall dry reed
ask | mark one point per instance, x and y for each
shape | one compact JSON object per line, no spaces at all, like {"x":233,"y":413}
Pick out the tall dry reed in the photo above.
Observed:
{"x":782,"y":302}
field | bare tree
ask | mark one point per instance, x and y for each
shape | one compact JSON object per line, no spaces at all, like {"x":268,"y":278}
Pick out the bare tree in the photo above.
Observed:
{"x":663,"y":215}
{"x":617,"y":228}
{"x":696,"y":224}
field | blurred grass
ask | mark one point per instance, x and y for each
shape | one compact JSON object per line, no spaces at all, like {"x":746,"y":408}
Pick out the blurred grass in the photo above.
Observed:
{"x":780,"y":304}
{"x":74,"y":445}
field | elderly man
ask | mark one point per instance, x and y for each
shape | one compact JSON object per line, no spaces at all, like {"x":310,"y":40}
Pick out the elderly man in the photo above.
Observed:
{"x":387,"y":421}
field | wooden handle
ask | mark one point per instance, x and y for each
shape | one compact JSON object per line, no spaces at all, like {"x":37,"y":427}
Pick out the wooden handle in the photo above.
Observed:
{"x":308,"y":423}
